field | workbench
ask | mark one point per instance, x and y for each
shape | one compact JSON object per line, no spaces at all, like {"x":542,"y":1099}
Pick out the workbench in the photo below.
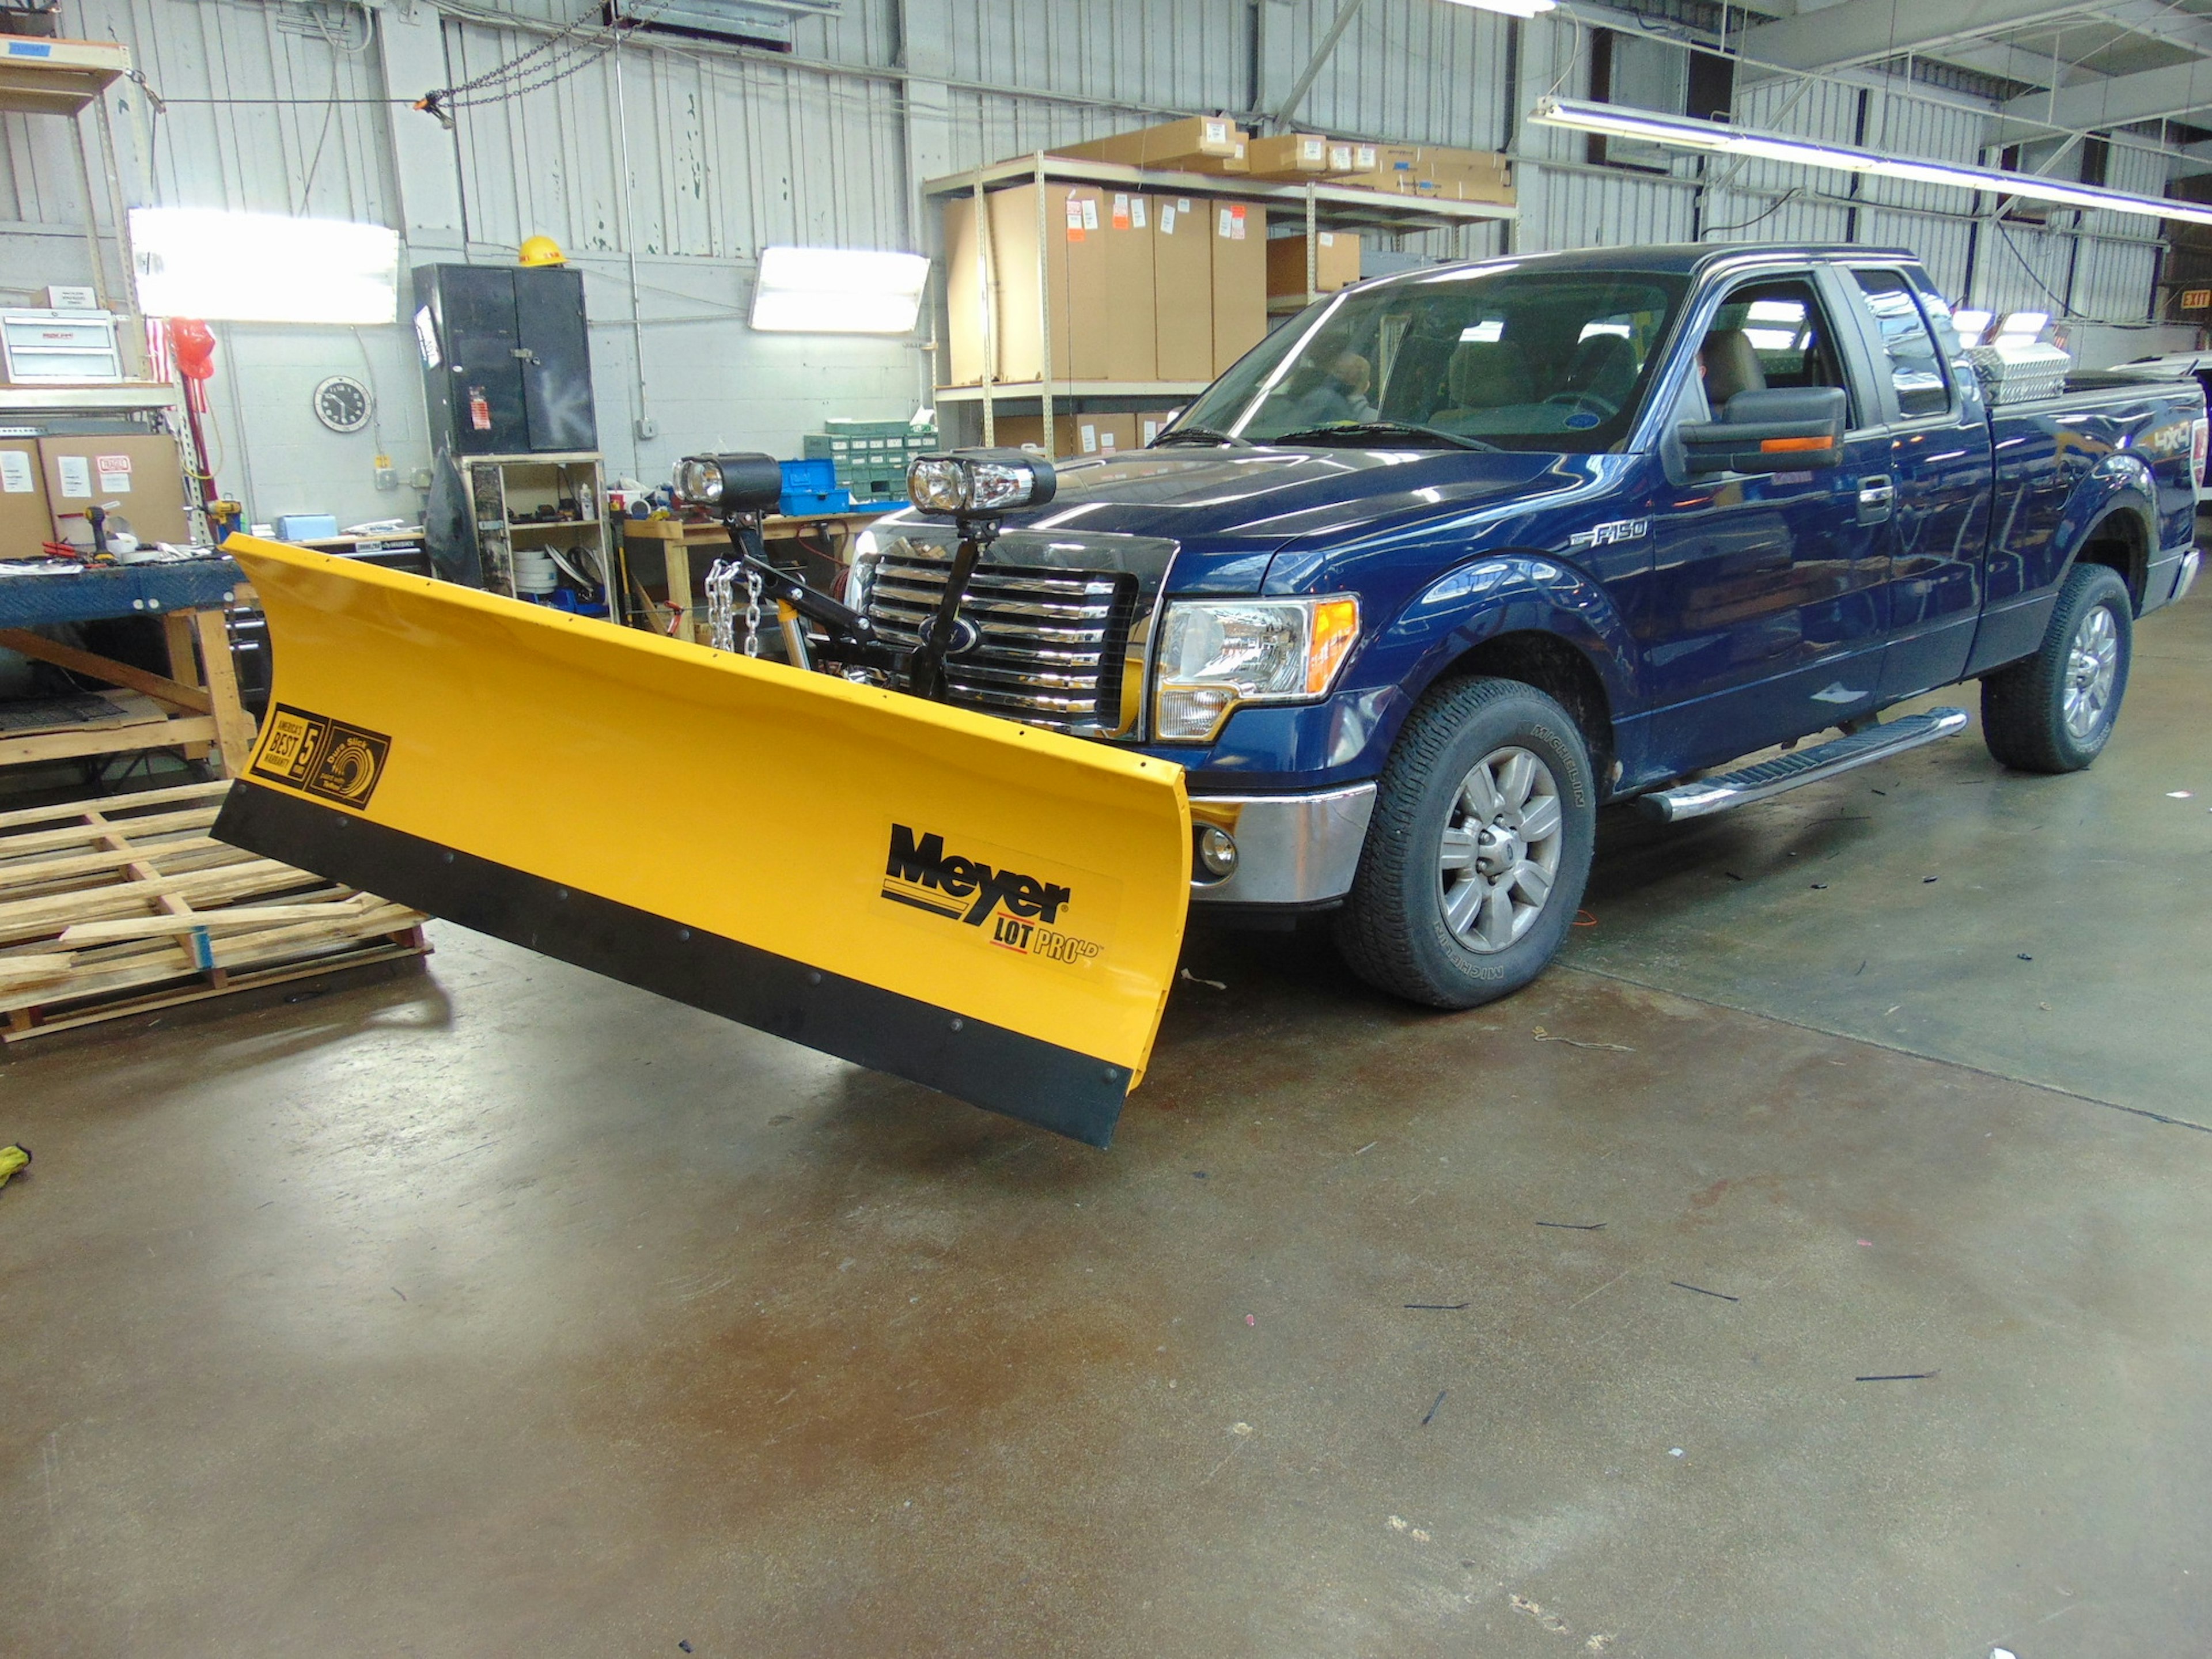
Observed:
{"x":200,"y":690}
{"x":822,"y":541}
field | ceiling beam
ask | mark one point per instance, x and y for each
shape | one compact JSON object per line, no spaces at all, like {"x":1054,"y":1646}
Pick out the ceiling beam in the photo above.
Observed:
{"x":1864,"y":30}
{"x":2119,"y":100}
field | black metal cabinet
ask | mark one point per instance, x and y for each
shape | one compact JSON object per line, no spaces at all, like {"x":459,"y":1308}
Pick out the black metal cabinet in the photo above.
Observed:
{"x":507,"y":362}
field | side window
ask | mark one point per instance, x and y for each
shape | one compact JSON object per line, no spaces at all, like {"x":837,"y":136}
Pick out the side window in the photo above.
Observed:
{"x":1915,"y":363}
{"x":1765,"y":334}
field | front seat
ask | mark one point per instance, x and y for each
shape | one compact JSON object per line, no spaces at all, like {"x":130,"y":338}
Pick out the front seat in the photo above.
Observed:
{"x":1603,"y":367}
{"x":1731,"y":364}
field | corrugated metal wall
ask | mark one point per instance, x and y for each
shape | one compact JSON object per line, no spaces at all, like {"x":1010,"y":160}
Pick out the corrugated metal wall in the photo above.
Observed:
{"x":730,"y":153}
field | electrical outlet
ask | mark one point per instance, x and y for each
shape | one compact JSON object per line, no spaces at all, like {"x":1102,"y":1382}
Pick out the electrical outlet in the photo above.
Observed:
{"x":647,"y":427}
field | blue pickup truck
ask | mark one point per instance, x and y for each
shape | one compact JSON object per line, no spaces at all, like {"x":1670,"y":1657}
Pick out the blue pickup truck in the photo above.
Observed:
{"x":1455,"y":557}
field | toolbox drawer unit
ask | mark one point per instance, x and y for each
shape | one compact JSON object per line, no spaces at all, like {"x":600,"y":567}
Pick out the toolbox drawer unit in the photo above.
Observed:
{"x":870,"y":456}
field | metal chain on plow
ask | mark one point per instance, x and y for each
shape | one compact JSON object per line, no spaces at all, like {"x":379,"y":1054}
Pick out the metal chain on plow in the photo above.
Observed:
{"x":722,"y":606}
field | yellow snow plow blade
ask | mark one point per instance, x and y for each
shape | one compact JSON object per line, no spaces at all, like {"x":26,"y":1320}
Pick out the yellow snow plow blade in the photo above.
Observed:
{"x":986,"y":909}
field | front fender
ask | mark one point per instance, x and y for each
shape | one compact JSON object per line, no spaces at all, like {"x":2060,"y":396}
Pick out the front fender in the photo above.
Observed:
{"x":1511,"y":594}
{"x":1347,"y":737}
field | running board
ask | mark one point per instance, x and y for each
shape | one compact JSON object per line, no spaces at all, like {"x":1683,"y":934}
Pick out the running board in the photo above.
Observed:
{"x":1802,"y":766}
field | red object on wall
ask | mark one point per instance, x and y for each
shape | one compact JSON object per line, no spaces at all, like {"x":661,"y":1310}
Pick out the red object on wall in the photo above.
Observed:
{"x":193,"y":342}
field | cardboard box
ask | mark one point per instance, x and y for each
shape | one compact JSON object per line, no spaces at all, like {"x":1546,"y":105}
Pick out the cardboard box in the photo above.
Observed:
{"x":1125,"y":326}
{"x":1438,"y":172}
{"x":1074,"y":437}
{"x":1075,"y":264}
{"x":1151,"y":423}
{"x":1183,"y":288}
{"x":1240,"y":279}
{"x":1292,"y":155}
{"x":142,"y":474}
{"x":1027,"y":432}
{"x":1097,"y":245}
{"x":25,"y":521}
{"x":1105,"y":435}
{"x":1336,"y":263}
{"x":1197,"y":144}
{"x":1348,"y":159}
{"x":968,"y":329}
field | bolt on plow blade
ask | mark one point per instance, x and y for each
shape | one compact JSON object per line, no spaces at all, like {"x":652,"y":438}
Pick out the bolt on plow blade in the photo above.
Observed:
{"x":989,"y":909}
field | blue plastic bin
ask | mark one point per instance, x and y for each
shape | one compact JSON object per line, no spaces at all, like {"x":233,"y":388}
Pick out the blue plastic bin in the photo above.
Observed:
{"x":804,"y":503}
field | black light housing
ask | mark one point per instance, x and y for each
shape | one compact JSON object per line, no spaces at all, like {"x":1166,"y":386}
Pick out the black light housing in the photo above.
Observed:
{"x":969,"y":481}
{"x":730,"y":483}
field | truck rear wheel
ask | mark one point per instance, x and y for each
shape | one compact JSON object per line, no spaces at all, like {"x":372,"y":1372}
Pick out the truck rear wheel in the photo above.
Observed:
{"x":1478,"y":848}
{"x":2053,"y":712}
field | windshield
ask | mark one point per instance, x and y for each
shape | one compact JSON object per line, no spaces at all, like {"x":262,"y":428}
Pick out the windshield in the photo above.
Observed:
{"x":1518,"y":357}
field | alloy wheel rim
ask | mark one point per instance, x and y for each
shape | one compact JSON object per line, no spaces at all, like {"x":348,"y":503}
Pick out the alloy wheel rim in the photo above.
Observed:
{"x":2093,"y":665}
{"x":1499,"y":857}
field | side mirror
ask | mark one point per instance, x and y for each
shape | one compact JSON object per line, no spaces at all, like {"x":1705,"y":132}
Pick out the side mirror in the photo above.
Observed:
{"x":1782,"y":429}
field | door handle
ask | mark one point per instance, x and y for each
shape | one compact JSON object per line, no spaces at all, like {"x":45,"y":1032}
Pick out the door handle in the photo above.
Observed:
{"x":1877,"y":495}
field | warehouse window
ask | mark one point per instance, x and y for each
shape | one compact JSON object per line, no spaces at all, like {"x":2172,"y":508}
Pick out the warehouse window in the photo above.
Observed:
{"x":1916,"y":363}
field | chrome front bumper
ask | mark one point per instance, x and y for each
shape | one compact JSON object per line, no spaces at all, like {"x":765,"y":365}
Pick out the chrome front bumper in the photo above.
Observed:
{"x":1291,"y":849}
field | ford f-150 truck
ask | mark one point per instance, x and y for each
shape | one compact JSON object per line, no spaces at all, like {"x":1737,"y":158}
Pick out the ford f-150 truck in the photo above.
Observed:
{"x":1455,"y":557}
{"x":1442,"y":565}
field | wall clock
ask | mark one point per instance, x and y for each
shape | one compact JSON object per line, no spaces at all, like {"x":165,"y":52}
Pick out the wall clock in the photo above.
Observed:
{"x":342,"y":403}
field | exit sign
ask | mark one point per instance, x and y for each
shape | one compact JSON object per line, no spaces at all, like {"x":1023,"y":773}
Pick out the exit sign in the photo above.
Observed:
{"x":2196,"y":298}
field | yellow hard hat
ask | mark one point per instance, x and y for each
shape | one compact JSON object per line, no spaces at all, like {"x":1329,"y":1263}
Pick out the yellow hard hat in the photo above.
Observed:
{"x":543,"y":250}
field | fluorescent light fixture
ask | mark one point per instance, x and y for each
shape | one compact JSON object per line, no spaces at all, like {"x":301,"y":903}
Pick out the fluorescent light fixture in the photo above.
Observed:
{"x":829,"y":290}
{"x":1511,"y":8}
{"x":1970,"y":325}
{"x":2023,"y":324}
{"x":264,"y":267}
{"x":1683,"y":132}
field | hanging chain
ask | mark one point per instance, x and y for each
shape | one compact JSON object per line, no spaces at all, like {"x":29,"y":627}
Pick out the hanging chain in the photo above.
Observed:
{"x":721,"y":605}
{"x":752,"y":612}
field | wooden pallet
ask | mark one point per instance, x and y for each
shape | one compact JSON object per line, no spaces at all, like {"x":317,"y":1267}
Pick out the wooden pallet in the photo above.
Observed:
{"x":120,"y":906}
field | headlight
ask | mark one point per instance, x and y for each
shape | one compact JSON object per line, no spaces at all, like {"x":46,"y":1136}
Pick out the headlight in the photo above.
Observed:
{"x":730,"y":483}
{"x":1216,"y":654}
{"x":699,"y":480}
{"x":978,"y":481}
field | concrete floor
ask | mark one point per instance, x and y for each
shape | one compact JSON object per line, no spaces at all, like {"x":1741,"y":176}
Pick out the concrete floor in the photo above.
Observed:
{"x":509,"y":1310}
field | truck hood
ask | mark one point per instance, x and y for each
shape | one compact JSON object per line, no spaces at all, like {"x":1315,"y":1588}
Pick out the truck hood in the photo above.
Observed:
{"x":1230,"y":511}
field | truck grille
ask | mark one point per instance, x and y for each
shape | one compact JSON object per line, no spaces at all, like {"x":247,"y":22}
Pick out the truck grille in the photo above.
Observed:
{"x":1052,"y":641}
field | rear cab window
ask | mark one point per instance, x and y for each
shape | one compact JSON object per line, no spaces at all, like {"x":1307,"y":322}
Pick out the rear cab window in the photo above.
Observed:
{"x":1910,"y":351}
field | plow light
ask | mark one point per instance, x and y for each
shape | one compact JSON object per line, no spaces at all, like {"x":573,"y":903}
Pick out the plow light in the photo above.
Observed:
{"x":978,"y":481}
{"x":730,"y":483}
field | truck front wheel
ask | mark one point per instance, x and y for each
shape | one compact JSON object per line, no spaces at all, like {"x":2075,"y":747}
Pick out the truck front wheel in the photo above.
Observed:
{"x":1478,"y":848}
{"x":2053,"y":712}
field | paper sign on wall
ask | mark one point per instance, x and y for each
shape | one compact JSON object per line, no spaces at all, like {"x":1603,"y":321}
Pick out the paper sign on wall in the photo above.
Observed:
{"x":114,"y":474}
{"x":76,"y":476}
{"x":16,"y":478}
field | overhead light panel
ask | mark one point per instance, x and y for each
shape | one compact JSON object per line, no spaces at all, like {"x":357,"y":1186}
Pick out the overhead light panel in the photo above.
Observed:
{"x":264,"y":267}
{"x":827,"y":290}
{"x":1686,"y":132}
{"x":1511,"y":8}
{"x":1970,"y":325}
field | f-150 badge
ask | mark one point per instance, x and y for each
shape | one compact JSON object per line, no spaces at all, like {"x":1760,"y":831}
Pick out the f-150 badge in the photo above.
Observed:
{"x":1604,"y":535}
